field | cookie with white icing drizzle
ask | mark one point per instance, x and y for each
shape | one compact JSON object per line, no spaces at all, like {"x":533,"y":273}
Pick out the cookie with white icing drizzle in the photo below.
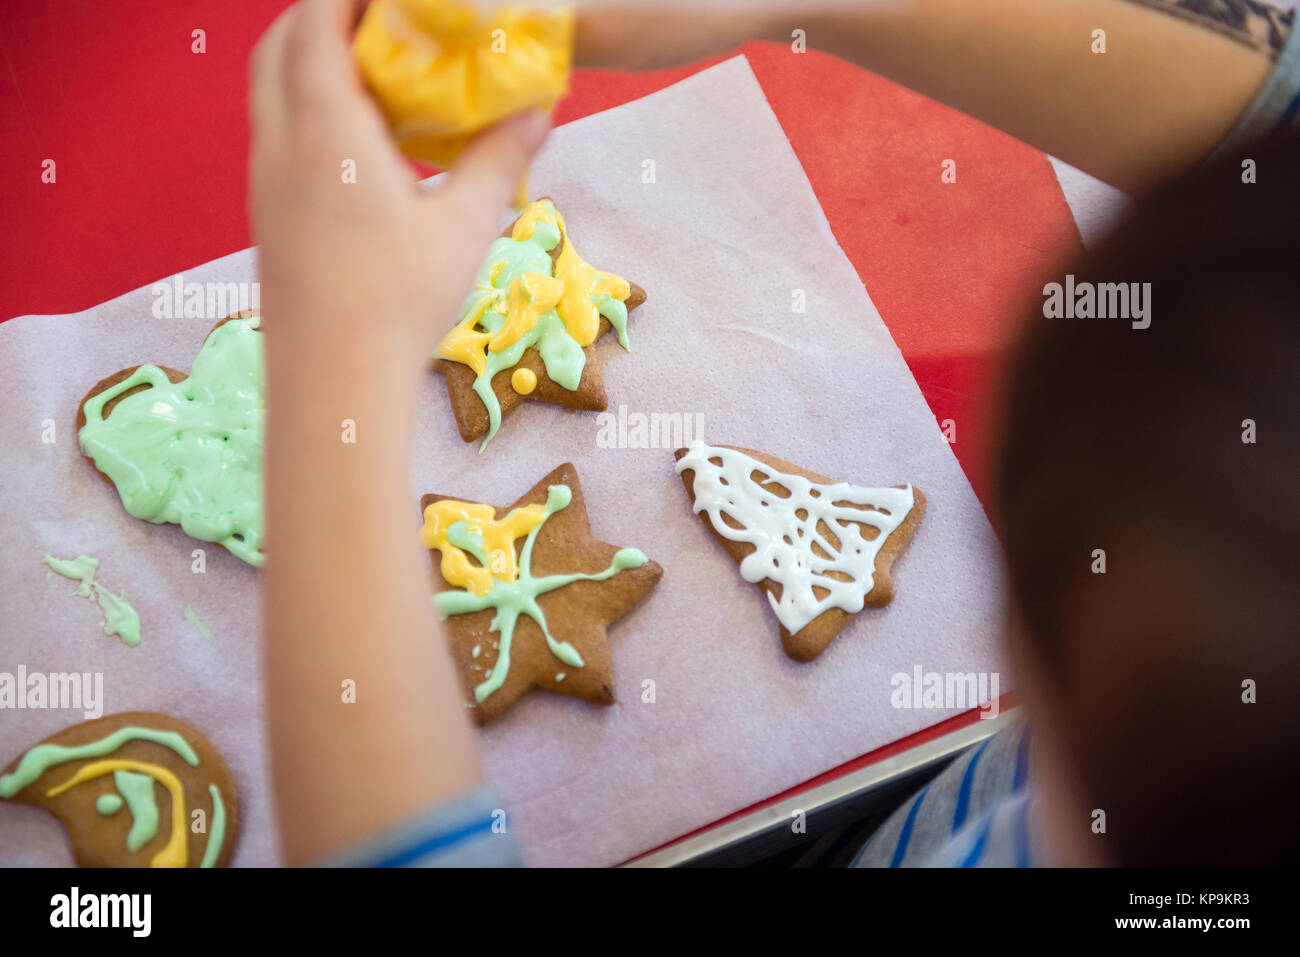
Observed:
{"x":136,"y":789}
{"x":820,"y":550}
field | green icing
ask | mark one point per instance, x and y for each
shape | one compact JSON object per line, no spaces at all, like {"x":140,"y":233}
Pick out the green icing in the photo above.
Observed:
{"x":560,"y":352}
{"x":193,"y":618}
{"x":83,"y":567}
{"x":119,"y":617}
{"x":44,"y":756}
{"x":190,"y":453}
{"x":107,"y":804}
{"x":217,"y":834}
{"x":138,"y":791}
{"x":512,"y":599}
{"x":462,"y":535}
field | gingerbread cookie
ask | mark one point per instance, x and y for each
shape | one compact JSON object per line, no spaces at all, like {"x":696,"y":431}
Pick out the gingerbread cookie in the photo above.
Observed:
{"x":526,"y":330}
{"x":527,"y":593}
{"x":131,"y":789}
{"x":188,"y":450}
{"x":821,"y":550}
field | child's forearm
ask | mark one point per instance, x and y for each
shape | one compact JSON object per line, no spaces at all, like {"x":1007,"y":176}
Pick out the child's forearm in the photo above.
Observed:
{"x":1162,"y":95}
{"x":361,"y":271}
{"x":366,"y":719}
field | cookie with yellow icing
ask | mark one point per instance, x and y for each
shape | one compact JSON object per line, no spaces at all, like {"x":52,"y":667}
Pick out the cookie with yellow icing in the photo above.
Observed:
{"x":187,"y":449}
{"x":528,"y":327}
{"x":137,"y":789}
{"x":527,"y":594}
{"x":820,"y":550}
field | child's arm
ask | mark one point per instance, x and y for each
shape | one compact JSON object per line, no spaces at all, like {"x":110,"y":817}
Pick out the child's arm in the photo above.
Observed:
{"x":1167,"y":90}
{"x":360,"y":273}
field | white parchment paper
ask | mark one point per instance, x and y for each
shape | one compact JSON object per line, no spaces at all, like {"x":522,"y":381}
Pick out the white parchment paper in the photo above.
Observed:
{"x":725,"y":236}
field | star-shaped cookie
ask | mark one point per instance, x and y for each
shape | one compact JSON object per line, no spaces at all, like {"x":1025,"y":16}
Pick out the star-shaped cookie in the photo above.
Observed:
{"x":527,"y":594}
{"x":529,"y":326}
{"x":820,"y":550}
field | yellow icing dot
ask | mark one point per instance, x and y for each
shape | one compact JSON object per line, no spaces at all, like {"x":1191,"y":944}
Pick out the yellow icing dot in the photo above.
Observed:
{"x":523,"y":381}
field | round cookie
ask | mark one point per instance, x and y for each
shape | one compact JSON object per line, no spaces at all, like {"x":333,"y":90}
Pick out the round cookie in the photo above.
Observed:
{"x":129,"y":789}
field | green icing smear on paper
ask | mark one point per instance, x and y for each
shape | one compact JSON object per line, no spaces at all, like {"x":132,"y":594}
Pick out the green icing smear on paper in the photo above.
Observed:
{"x":119,"y":617}
{"x":512,"y":599}
{"x":190,"y":452}
{"x":193,"y":618}
{"x":560,"y":352}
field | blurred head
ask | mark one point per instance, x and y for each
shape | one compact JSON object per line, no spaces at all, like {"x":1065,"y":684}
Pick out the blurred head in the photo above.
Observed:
{"x":1148,"y":498}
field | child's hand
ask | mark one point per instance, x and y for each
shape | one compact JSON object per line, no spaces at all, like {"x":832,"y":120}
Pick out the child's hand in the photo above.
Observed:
{"x":362,"y":272}
{"x":358,"y":263}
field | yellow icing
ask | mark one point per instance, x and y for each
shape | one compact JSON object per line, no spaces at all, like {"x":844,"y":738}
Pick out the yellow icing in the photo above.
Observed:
{"x":442,"y":71}
{"x":523,"y":381}
{"x":569,"y":292}
{"x":466,"y":345}
{"x":529,"y":298}
{"x":578,"y":279}
{"x":496,"y":557}
{"x":176,"y":852}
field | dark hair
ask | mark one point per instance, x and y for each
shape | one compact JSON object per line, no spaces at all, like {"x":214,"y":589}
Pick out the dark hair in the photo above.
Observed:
{"x":1136,"y":443}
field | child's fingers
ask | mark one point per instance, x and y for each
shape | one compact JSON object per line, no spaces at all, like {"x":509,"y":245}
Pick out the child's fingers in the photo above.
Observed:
{"x":265,"y":91}
{"x":332,"y":18}
{"x":305,"y":87}
{"x":317,"y":64}
{"x":485,"y":176}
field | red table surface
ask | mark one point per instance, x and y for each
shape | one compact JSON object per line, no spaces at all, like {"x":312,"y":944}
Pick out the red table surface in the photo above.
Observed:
{"x":150,"y":142}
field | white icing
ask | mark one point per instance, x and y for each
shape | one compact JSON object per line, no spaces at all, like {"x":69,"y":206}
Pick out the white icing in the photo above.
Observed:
{"x":783,"y":541}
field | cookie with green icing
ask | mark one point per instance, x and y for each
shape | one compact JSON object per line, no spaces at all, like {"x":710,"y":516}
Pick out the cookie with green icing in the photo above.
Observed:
{"x":528,"y":329}
{"x":188,"y":449}
{"x":137,"y":789}
{"x":527,"y":594}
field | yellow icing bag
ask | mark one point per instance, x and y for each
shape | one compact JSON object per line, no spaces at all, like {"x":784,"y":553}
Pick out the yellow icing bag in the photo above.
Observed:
{"x":444,"y":70}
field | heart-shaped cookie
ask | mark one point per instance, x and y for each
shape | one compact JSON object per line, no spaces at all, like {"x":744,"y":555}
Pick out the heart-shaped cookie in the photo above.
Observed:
{"x":188,"y":449}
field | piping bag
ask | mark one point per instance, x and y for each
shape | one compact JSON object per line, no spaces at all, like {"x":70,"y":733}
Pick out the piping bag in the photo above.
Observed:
{"x":445,"y":70}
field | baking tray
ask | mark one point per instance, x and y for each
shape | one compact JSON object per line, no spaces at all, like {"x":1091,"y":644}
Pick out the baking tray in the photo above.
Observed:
{"x":852,"y":796}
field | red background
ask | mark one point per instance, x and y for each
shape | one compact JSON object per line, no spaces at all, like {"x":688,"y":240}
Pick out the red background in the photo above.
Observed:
{"x":151,"y":143}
